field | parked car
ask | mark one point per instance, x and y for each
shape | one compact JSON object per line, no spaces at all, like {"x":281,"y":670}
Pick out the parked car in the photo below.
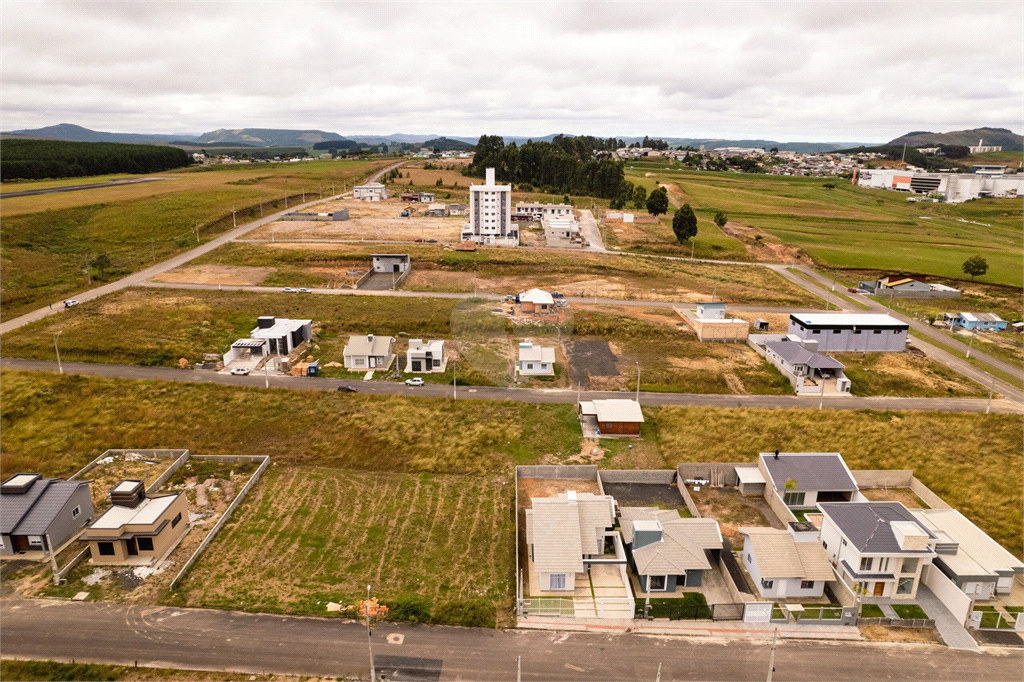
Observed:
{"x":555,"y":294}
{"x":70,"y":303}
{"x":240,"y":371}
{"x":418,"y":240}
{"x":304,"y":290}
{"x":431,"y":241}
{"x":415,"y":381}
{"x":288,"y":290}
{"x":851,"y":290}
{"x":346,"y":389}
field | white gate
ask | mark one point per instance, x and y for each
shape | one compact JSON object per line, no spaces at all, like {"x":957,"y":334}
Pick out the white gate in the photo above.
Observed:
{"x":757,"y":612}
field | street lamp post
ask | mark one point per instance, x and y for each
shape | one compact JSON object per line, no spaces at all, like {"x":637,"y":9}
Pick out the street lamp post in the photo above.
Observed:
{"x":638,"y":382}
{"x":971,"y":344}
{"x":60,"y":367}
{"x":369,"y":642}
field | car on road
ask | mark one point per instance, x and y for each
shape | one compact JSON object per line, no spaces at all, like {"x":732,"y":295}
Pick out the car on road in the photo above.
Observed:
{"x":588,"y":244}
{"x":431,"y":241}
{"x":851,"y":290}
{"x":70,"y":303}
{"x":555,"y":294}
{"x":415,"y":381}
{"x":346,"y":389}
{"x":288,"y":290}
{"x":240,"y":371}
{"x":418,"y":241}
{"x":304,"y":290}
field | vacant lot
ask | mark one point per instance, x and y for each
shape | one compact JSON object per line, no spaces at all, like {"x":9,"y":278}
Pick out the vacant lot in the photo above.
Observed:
{"x":906,"y":496}
{"x":51,"y":670}
{"x":309,"y":535}
{"x":732,"y":511}
{"x":982,"y":481}
{"x":853,"y":227}
{"x":904,"y":374}
{"x":47,"y":240}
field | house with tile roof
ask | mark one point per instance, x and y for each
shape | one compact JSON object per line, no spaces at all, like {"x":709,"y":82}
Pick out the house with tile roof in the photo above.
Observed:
{"x":39,"y":514}
{"x":787,"y":563}
{"x":564,"y":535}
{"x":666,"y":551}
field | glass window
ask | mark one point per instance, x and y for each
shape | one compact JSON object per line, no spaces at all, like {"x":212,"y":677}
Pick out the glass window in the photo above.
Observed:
{"x":905,"y":586}
{"x":878,"y":331}
{"x":794,"y":499}
{"x":106,"y":548}
{"x":145,"y":544}
{"x":176,"y":520}
{"x":557,"y":581}
{"x":806,"y":584}
{"x":658,"y":583}
{"x":816,"y":331}
{"x":76,"y":511}
{"x":824,"y":544}
{"x":767,"y":584}
{"x":910,"y":565}
{"x":865,"y":563}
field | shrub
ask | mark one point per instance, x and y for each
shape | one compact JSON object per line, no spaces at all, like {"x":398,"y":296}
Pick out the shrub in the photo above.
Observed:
{"x":411,"y":608}
{"x":474,"y":613}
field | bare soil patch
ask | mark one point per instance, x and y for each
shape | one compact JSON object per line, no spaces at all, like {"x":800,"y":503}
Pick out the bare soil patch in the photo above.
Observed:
{"x":551,"y":487}
{"x":588,"y":359}
{"x":732,"y":510}
{"x":907,"y":496}
{"x":438,"y":280}
{"x":129,"y":465}
{"x":241,"y":275}
{"x":883,"y":633}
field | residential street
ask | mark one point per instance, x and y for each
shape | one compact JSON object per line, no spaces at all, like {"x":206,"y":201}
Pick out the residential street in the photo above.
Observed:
{"x":590,"y":231}
{"x":529,"y":395}
{"x":249,"y":644}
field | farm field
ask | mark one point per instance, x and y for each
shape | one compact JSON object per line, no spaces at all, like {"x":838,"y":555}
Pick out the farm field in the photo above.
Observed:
{"x":508,"y":271}
{"x":436,"y":548}
{"x":853,"y":227}
{"x":49,"y":240}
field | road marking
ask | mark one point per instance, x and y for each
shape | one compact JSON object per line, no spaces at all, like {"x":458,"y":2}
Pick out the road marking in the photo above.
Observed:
{"x":396,"y":638}
{"x":578,"y":669}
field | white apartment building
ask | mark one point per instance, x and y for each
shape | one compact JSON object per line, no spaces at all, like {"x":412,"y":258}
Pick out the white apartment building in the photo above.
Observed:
{"x":490,"y":214}
{"x":982,"y":148}
{"x":374,"y":191}
{"x":535,"y":210}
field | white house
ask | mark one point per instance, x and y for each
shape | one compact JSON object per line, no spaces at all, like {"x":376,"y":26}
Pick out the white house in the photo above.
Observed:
{"x":425,"y":356}
{"x":490,"y":214}
{"x":878,"y":548}
{"x":369,"y":352}
{"x":272,"y":336}
{"x":786,"y":563}
{"x":860,"y":332}
{"x":562,"y":533}
{"x":535,"y":360}
{"x":374,"y":191}
{"x":537,"y":210}
{"x":808,"y":371}
{"x":802,"y":479}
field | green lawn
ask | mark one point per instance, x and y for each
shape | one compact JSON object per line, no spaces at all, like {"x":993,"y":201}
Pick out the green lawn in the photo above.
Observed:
{"x":909,"y":611}
{"x":871,"y":611}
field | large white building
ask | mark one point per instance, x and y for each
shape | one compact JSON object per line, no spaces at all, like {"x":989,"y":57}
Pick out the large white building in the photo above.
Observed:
{"x":954,"y":187}
{"x":859,"y":332}
{"x":490,"y":214}
{"x":981,"y":148}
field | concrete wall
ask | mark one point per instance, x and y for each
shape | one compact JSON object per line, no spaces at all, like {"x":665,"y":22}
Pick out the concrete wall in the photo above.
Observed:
{"x":583,"y":472}
{"x":147,"y":453}
{"x":723,"y":473}
{"x":166,"y":476}
{"x":842,"y":592}
{"x":886,"y":293}
{"x":653,"y":476}
{"x":777,"y":505}
{"x":883,"y":478}
{"x":688,"y":500}
{"x":958,"y":603}
{"x":926,"y":495}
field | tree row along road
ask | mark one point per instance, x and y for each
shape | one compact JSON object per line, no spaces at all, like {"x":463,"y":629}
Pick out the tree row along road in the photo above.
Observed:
{"x":171,"y":263}
{"x":198,"y":639}
{"x":527,"y":395}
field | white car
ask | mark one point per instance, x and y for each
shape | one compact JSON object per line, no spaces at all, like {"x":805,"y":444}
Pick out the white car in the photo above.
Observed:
{"x":415,"y":381}
{"x":70,"y":303}
{"x":304,"y":290}
{"x":288,"y":290}
{"x":240,"y":371}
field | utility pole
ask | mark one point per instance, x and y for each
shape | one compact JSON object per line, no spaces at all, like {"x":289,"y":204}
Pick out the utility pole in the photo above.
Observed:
{"x":638,"y":382}
{"x":658,"y":678}
{"x":821,"y":402}
{"x":320,"y":189}
{"x":891,"y":292}
{"x":152,"y":244}
{"x":692,"y":242}
{"x":234,"y":222}
{"x":519,"y":670}
{"x":53,"y":560}
{"x":218,"y":276}
{"x":369,"y":643}
{"x":261,"y":205}
{"x":197,"y":233}
{"x":991,"y":390}
{"x":286,"y":201}
{"x":714,"y":293}
{"x":266,"y":375}
{"x":455,"y":388}
{"x":60,"y":367}
{"x":971,"y":344}
{"x":303,"y":196}
{"x":771,"y":659}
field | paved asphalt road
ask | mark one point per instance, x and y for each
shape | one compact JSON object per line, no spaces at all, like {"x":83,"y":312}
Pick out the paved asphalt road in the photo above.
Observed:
{"x":76,"y":188}
{"x":173,"y":262}
{"x":590,"y":231}
{"x":528,"y":395}
{"x":251,"y":643}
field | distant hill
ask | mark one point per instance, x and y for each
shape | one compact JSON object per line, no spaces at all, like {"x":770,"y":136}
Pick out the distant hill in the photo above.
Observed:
{"x":1007,"y":139}
{"x":74,"y":133}
{"x":266,"y":137}
{"x":447,"y":144}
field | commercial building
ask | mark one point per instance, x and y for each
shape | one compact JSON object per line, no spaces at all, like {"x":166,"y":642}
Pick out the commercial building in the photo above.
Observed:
{"x":490,"y":214}
{"x":374,"y":191}
{"x":538,"y":211}
{"x":860,"y":332}
{"x":953,"y":188}
{"x":40,"y":515}
{"x":982,"y":148}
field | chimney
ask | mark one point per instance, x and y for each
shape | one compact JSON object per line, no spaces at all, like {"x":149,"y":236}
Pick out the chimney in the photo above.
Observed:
{"x":646,"y":532}
{"x":490,"y":176}
{"x":369,"y":338}
{"x":776,"y":454}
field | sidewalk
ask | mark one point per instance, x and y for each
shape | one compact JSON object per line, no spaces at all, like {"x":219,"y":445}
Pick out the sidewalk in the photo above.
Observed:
{"x":732,"y":629}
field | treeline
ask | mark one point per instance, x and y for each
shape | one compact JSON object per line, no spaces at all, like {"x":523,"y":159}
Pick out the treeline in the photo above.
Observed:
{"x":42,"y":159}
{"x":566,"y":165}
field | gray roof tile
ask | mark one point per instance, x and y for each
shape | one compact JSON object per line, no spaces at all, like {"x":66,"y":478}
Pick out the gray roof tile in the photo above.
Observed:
{"x":866,"y":524}
{"x":32,"y":512}
{"x":811,"y":471}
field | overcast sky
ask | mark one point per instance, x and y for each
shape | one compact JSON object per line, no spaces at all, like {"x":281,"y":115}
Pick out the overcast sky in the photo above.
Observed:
{"x":790,"y":71}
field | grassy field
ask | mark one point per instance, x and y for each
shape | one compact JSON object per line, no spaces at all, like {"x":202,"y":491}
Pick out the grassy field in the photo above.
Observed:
{"x":52,"y":671}
{"x":512,"y":271}
{"x":49,"y":240}
{"x":309,"y":535}
{"x":854,"y":227}
{"x":983,"y":481}
{"x":903,"y":374}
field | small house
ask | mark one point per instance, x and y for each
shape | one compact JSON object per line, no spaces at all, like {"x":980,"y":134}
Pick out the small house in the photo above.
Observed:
{"x":457,"y":209}
{"x":615,"y":416}
{"x":666,"y":551}
{"x":424,"y":357}
{"x":979,"y":321}
{"x":710,"y":323}
{"x":391,"y":262}
{"x":786,"y":563}
{"x":535,"y":360}
{"x":373,"y":191}
{"x":808,"y":370}
{"x":369,"y":352}
{"x":536,"y":301}
{"x":137,"y":530}
{"x":436,"y":210}
{"x":38,"y":516}
{"x":803,"y":479}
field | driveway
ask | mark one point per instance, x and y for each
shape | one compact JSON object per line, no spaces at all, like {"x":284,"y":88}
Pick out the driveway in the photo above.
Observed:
{"x":954,"y":634}
{"x":590,"y":231}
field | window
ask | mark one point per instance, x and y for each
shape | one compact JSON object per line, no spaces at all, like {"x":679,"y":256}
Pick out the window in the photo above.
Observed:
{"x":76,"y":511}
{"x":806,"y":584}
{"x":878,"y":331}
{"x":905,"y":586}
{"x":794,"y":499}
{"x":865,"y":563}
{"x":145,"y":544}
{"x":844,"y":542}
{"x":824,"y":544}
{"x":856,"y":331}
{"x":106,"y":548}
{"x":883,"y":564}
{"x":556,"y":581}
{"x":816,"y":331}
{"x":176,"y":520}
{"x":748,"y":559}
{"x":910,"y":565}
{"x":658,"y":583}
{"x":529,"y":366}
{"x":767,"y":584}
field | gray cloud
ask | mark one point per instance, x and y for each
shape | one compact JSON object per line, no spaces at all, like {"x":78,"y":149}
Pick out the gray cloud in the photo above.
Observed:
{"x":785,"y":70}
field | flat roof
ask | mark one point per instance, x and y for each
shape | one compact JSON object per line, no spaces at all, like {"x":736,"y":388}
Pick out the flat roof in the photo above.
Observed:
{"x":146,"y":513}
{"x":126,"y":486}
{"x":847,"y":320}
{"x":750,"y":475}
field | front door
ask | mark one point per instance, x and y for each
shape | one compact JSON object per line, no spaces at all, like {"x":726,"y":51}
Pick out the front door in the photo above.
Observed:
{"x":20,"y":543}
{"x":879,"y":589}
{"x":417,"y":366}
{"x":133,"y":547}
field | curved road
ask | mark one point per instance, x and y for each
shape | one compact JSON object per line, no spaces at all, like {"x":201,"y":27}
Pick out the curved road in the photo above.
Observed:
{"x":528,"y":395}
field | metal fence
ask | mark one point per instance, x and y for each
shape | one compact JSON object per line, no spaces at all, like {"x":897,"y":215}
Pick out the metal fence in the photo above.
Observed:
{"x":680,"y":611}
{"x":727,"y":611}
{"x":547,"y":606}
{"x":997,"y":620}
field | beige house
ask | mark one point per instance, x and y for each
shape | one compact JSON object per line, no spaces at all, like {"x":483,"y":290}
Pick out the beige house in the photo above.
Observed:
{"x":137,"y":530}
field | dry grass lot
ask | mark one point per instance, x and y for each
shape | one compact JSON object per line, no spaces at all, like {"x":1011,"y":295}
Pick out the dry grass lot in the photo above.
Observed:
{"x":731,"y":510}
{"x":52,"y":670}
{"x":309,"y":535}
{"x":905,"y":374}
{"x":906,"y":496}
{"x":239,"y":275}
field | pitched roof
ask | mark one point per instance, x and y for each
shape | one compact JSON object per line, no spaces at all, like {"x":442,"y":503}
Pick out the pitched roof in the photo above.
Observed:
{"x":562,"y":532}
{"x":32,"y":512}
{"x":618,"y":410}
{"x":973,"y":541}
{"x":363,"y":345}
{"x":536,"y":296}
{"x":810,"y":470}
{"x":795,"y":354}
{"x":682,"y":544}
{"x":868,"y":524}
{"x":779,"y":556}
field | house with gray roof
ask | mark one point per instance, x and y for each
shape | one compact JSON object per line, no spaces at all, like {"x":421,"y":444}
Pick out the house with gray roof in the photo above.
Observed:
{"x":667,"y":552}
{"x":369,"y":352}
{"x":807,"y":370}
{"x":39,"y":514}
{"x":877,"y":548}
{"x":812,"y":477}
{"x":787,"y":563}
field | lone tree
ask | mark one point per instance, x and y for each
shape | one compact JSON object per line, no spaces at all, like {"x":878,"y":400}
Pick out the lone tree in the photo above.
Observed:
{"x":102,"y":262}
{"x":439,"y":183}
{"x":721,"y":219}
{"x":975,"y":266}
{"x":657,"y":203}
{"x":639,"y":196}
{"x":684,"y":224}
